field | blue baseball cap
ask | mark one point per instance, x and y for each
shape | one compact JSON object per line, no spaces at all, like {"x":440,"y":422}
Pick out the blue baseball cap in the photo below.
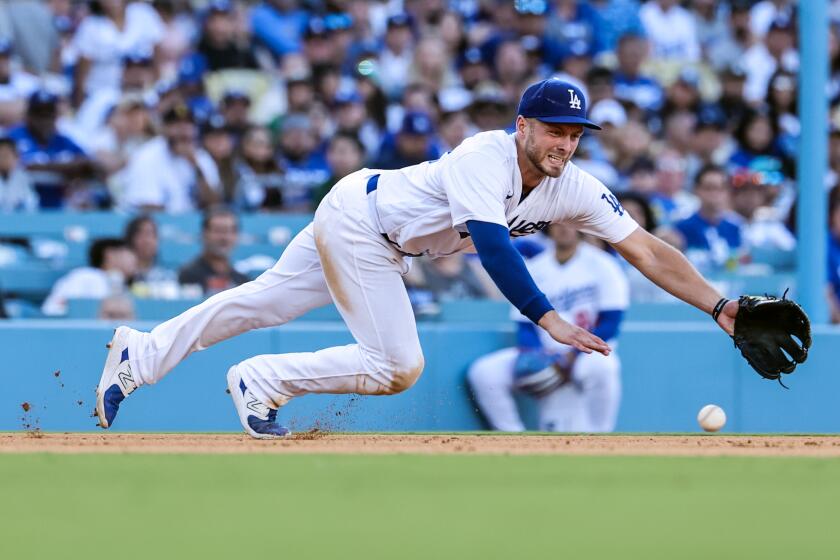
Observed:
{"x":555,"y":101}
{"x":191,"y":69}
{"x":317,"y":27}
{"x":232,"y":95}
{"x":402,"y":19}
{"x":417,"y":123}
{"x":42,"y":101}
{"x":138,"y":58}
{"x":710,"y":115}
{"x":347,"y":96}
{"x":472,"y":55}
{"x":220,"y":7}
{"x":338,"y":21}
{"x":531,"y":7}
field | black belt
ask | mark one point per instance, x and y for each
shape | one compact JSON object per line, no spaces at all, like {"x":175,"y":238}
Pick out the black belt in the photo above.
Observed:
{"x":372,"y":185}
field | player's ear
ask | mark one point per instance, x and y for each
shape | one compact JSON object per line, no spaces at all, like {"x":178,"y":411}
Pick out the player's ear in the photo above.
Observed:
{"x":521,"y":125}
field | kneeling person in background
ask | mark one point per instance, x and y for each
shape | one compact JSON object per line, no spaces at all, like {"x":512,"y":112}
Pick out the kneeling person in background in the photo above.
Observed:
{"x":574,"y":392}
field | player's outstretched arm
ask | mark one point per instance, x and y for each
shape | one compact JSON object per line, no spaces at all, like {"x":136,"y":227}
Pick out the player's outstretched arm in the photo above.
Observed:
{"x":671,"y":271}
{"x":506,"y":267}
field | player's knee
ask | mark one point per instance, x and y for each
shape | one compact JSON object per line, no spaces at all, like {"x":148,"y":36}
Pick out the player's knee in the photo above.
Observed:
{"x":405,"y":372}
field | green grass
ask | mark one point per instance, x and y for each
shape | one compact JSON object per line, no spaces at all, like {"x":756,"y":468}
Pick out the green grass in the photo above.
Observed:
{"x":425,"y":507}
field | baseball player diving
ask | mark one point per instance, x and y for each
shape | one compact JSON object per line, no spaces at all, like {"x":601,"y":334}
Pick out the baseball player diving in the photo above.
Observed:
{"x":492,"y":187}
{"x":574,"y":392}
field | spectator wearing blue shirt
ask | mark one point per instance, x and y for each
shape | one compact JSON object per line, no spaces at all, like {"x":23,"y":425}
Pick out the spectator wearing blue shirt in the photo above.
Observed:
{"x":757,"y":136}
{"x":616,"y":18}
{"x":630,"y":84}
{"x":53,"y":159}
{"x":766,"y":238}
{"x":834,"y":255}
{"x":279,"y":25}
{"x":190,"y":86}
{"x":669,"y":200}
{"x":712,"y":236}
{"x":532,"y":21}
{"x":413,"y":144}
{"x":304,"y":162}
{"x":572,"y":23}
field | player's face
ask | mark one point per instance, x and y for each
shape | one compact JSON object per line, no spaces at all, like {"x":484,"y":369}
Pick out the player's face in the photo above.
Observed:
{"x":549,"y":146}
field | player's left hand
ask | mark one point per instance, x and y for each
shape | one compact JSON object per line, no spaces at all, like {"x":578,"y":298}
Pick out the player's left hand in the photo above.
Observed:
{"x":773,"y":334}
{"x":566,"y":333}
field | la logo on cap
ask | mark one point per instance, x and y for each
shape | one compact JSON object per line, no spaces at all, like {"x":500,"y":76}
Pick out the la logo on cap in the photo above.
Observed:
{"x":546,"y":102}
{"x":574,"y":100}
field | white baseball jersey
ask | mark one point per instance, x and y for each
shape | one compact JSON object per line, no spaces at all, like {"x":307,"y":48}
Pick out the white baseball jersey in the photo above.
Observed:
{"x":590,"y":282}
{"x":424,"y":208}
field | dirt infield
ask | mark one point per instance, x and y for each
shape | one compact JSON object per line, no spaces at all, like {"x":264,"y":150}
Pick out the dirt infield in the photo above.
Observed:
{"x":794,"y":446}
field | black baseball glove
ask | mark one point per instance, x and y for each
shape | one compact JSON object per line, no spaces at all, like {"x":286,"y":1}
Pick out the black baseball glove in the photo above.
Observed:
{"x":764,"y":326}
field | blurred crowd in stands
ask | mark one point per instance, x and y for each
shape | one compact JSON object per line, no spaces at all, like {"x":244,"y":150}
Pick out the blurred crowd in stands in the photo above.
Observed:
{"x":183,"y":105}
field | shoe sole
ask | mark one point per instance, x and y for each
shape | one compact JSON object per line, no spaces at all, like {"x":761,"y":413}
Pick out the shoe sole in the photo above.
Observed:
{"x":111,"y":362}
{"x":233,"y":380}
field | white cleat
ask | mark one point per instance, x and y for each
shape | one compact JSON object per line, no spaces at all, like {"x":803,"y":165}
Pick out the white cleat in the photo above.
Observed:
{"x":258,"y":420}
{"x":117,"y":381}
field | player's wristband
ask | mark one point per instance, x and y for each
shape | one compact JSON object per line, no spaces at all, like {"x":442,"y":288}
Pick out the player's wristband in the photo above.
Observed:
{"x":718,"y":308}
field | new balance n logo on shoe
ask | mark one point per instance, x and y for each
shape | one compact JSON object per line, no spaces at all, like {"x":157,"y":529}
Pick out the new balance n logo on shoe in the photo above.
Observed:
{"x":256,"y":406}
{"x":125,"y":379}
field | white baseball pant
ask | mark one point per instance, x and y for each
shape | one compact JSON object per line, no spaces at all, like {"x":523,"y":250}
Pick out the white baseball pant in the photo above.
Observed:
{"x":589,"y":405}
{"x":340,"y":257}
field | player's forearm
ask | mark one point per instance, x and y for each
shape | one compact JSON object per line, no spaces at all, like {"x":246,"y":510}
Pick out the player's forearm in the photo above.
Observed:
{"x":668,"y":269}
{"x":672,"y":272}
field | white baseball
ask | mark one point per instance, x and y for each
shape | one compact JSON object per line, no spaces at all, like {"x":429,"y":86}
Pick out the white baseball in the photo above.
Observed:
{"x":711,"y":418}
